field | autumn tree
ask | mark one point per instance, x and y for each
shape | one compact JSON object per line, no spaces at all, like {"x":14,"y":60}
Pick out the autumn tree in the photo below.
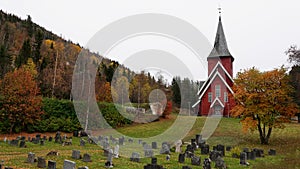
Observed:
{"x":21,"y":102}
{"x":263,"y":101}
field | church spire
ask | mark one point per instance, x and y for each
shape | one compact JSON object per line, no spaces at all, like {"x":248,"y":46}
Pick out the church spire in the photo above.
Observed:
{"x":220,"y":46}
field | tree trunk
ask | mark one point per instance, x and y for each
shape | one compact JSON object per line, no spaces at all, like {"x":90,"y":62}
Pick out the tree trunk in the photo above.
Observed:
{"x":264,"y":139}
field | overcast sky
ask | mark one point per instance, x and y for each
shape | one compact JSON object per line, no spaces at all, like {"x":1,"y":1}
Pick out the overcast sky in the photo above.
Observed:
{"x":258,"y":32}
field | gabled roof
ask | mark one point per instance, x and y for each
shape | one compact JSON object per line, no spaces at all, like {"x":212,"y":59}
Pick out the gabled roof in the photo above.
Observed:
{"x":212,"y":73}
{"x":211,"y":80}
{"x":220,"y":46}
{"x":217,"y":100}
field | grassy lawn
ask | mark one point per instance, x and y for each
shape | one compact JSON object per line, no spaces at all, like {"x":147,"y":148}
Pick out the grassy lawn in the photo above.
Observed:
{"x":286,"y":142}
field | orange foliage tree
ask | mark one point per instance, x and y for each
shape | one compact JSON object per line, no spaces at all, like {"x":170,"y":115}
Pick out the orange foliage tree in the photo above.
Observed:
{"x":263,"y":101}
{"x":21,"y":102}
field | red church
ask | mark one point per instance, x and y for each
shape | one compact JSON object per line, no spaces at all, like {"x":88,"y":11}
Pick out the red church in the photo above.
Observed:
{"x":215,"y":91}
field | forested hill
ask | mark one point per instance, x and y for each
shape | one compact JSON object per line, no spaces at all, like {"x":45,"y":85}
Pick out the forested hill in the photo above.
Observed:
{"x":23,"y":42}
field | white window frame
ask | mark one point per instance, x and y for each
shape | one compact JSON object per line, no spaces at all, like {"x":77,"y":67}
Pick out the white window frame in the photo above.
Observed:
{"x":209,"y":97}
{"x":218,"y":91}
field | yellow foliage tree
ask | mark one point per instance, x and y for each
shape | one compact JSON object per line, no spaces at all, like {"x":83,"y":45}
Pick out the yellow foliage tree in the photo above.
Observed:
{"x":263,"y":101}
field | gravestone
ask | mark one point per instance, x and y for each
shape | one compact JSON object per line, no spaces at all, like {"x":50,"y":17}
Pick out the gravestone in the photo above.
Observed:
{"x":29,"y":139}
{"x":42,"y":142}
{"x":45,"y":138}
{"x":30,"y":158}
{"x":86,"y":158}
{"x":220,"y":164}
{"x":58,"y":138}
{"x":135,"y":157}
{"x":38,"y":137}
{"x":228,"y":148}
{"x":82,"y":142}
{"x":69,"y":164}
{"x":213,"y":155}
{"x":109,"y":162}
{"x":272,"y":152}
{"x":50,"y":139}
{"x":258,"y":152}
{"x":194,"y":145}
{"x":121,"y":141}
{"x":178,"y":146}
{"x":148,"y":152}
{"x":14,"y":142}
{"x":75,"y":133}
{"x":205,"y":149}
{"x":206,"y":163}
{"x":51,"y":164}
{"x":116,"y":151}
{"x":41,"y":162}
{"x":100,"y":138}
{"x":165,"y":149}
{"x":201,"y":143}
{"x":196,"y":160}
{"x":76,"y":154}
{"x":8,"y":167}
{"x":181,"y":158}
{"x":130,"y":140}
{"x":243,"y":158}
{"x":154,"y":145}
{"x":189,"y":148}
{"x":168,"y":157}
{"x":252,"y":155}
{"x":221,"y":148}
{"x":198,"y":139}
{"x":22,"y":144}
{"x":140,"y":141}
{"x":154,"y":161}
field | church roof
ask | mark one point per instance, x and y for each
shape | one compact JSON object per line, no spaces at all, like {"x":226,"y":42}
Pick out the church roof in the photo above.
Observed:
{"x":220,"y":46}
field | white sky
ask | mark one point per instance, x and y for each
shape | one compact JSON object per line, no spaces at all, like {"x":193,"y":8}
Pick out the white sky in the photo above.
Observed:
{"x":258,"y":32}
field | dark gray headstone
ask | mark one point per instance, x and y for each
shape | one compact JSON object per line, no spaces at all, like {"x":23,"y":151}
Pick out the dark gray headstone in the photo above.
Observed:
{"x":14,"y":142}
{"x":45,"y":138}
{"x":186,"y":167}
{"x":205,"y":149}
{"x":86,"y":158}
{"x":258,"y":152}
{"x":206,"y":163}
{"x":8,"y":167}
{"x":135,"y":157}
{"x":198,"y":138}
{"x":181,"y":158}
{"x":50,"y":139}
{"x":41,"y":163}
{"x":252,"y":155}
{"x":76,"y":154}
{"x":51,"y":164}
{"x":228,"y":148}
{"x":196,"y":160}
{"x":121,"y":140}
{"x":22,"y":144}
{"x":243,"y":158}
{"x":148,"y":152}
{"x":154,"y":145}
{"x":165,"y":148}
{"x":154,"y":161}
{"x":82,"y":142}
{"x":220,"y":164}
{"x":42,"y":142}
{"x":75,"y":133}
{"x":213,"y":155}
{"x":30,"y":158}
{"x":221,"y":148}
{"x":69,"y":164}
{"x":23,"y":138}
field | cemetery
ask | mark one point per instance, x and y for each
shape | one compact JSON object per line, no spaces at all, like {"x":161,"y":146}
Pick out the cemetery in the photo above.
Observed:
{"x":227,"y":148}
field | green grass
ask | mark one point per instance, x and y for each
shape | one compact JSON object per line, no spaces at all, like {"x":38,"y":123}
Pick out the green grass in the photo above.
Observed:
{"x":286,"y":142}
